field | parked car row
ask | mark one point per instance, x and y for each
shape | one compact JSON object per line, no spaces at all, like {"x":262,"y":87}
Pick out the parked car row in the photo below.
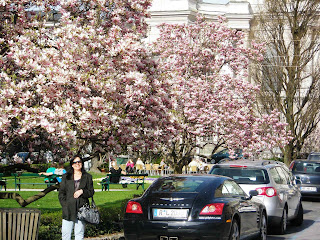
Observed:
{"x":237,"y":199}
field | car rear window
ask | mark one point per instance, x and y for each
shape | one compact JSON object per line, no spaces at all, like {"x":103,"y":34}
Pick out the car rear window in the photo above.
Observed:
{"x":243,"y":175}
{"x":178,"y":185}
{"x":307,"y":167}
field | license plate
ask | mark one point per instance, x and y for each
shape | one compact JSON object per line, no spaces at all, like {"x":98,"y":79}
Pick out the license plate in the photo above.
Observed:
{"x":170,"y":213}
{"x":308,"y":189}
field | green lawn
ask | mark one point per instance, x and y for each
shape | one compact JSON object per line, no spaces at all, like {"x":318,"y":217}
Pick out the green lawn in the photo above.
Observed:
{"x":50,"y":202}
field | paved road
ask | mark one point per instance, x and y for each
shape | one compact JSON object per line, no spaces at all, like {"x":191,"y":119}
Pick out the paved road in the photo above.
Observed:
{"x":310,"y":229}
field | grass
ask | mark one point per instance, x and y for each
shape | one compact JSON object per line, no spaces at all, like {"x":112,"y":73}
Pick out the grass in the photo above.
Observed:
{"x":50,"y":202}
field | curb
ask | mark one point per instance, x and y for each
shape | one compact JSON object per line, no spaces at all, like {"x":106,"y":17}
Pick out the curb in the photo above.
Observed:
{"x":114,"y":236}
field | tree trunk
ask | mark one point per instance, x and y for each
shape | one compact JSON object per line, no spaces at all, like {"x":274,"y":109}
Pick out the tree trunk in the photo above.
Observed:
{"x":288,"y":153}
{"x":22,"y":202}
{"x":96,"y":162}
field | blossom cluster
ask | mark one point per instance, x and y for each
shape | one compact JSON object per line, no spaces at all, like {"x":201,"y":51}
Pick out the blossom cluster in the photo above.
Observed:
{"x":91,"y":80}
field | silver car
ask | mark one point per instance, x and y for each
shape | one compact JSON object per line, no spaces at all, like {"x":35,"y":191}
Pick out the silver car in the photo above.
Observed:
{"x":276,"y":187}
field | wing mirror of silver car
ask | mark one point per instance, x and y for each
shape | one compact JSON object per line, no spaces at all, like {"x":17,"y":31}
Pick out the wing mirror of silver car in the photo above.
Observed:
{"x":297,"y":180}
{"x":252,"y":193}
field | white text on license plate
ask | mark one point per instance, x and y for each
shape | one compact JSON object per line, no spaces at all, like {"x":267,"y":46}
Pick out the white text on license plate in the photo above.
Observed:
{"x":309,"y":189}
{"x":170,"y":213}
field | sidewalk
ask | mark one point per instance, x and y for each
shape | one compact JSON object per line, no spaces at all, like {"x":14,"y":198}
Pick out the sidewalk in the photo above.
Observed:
{"x":39,"y":190}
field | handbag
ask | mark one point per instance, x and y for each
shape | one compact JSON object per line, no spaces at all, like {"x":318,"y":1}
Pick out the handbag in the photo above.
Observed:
{"x":89,"y":213}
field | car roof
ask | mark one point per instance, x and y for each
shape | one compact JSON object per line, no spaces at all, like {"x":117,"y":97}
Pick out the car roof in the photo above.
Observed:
{"x":306,"y":160}
{"x":197,"y":175}
{"x":314,"y":156}
{"x":250,"y":163}
{"x":314,"y":153}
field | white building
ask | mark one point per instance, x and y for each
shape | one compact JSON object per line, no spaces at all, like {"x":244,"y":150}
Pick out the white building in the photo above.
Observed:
{"x":238,"y":13}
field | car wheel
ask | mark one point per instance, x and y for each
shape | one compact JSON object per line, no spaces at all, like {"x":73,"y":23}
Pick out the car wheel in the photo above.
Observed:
{"x":263,"y":227}
{"x":234,"y":231}
{"x":283,"y":223}
{"x":298,"y":220}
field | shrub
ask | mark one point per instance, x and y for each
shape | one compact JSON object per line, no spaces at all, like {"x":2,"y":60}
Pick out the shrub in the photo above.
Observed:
{"x":41,"y":167}
{"x":50,"y":227}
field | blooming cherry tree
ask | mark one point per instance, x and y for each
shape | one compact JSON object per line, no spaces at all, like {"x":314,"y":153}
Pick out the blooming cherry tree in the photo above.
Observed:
{"x":89,"y":81}
{"x":206,"y":64}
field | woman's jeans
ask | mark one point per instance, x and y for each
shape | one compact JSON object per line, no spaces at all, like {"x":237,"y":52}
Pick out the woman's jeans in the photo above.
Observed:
{"x":67,"y":227}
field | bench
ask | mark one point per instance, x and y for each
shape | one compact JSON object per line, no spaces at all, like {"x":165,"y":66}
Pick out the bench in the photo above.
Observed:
{"x":18,"y":177}
{"x":19,"y":223}
{"x":139,"y":180}
{"x":3,"y":182}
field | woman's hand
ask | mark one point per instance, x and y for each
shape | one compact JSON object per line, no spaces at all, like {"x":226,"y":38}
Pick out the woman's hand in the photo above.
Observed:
{"x":78,"y":193}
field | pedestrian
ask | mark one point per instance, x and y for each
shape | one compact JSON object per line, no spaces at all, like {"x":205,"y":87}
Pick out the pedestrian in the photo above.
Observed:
{"x":75,"y":190}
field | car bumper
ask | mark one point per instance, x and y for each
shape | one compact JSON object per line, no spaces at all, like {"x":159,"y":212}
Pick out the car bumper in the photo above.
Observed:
{"x":310,"y":190}
{"x":183,"y":230}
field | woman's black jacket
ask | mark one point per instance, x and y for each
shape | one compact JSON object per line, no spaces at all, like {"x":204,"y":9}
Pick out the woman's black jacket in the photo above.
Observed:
{"x":69,"y":204}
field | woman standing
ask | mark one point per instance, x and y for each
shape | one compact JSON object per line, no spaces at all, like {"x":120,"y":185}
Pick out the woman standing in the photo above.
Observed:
{"x":75,"y":190}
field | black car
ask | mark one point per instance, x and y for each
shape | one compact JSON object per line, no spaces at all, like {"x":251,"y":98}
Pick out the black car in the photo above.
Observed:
{"x":307,"y":172}
{"x":197,"y":207}
{"x":224,"y":154}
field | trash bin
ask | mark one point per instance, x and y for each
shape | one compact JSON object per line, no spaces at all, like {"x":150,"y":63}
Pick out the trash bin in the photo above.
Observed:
{"x":19,"y":223}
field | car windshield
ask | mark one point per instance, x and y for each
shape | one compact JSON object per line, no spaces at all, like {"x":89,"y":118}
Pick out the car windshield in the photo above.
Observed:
{"x":178,"y":185}
{"x":243,"y":175}
{"x":307,"y":167}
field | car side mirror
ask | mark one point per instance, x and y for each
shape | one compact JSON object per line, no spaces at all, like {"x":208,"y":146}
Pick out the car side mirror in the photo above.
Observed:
{"x":297,"y":180}
{"x":253,"y":193}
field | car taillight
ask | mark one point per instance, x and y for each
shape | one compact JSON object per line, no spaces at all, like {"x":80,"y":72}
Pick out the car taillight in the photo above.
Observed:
{"x":291,"y":165}
{"x":267,"y":191}
{"x":212,"y":209}
{"x":134,"y":207}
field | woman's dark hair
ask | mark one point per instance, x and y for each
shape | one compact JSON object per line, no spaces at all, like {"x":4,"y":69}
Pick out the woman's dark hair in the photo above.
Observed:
{"x":70,"y":170}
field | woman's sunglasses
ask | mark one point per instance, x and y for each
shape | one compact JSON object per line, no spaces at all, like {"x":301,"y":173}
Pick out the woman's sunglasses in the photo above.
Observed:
{"x":76,"y":162}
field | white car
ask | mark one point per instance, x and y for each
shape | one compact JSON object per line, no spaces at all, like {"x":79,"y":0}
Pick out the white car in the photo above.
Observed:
{"x":276,"y":187}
